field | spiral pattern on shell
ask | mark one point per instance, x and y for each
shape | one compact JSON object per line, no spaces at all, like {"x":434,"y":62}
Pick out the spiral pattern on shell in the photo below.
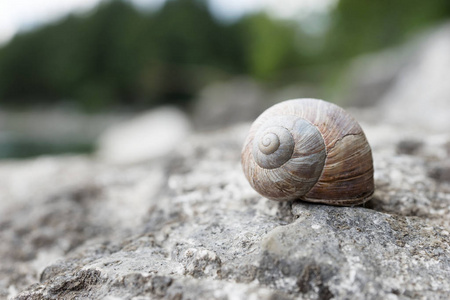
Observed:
{"x":311,"y":150}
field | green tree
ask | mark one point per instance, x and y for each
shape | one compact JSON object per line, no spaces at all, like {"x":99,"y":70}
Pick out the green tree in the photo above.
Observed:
{"x":270,"y":47}
{"x":120,"y":56}
{"x":359,"y":26}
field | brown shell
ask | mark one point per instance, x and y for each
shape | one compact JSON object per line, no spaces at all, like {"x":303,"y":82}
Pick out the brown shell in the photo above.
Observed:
{"x":311,"y":150}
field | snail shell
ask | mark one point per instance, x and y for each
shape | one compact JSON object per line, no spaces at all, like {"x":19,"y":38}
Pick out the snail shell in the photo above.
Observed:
{"x":311,"y":150}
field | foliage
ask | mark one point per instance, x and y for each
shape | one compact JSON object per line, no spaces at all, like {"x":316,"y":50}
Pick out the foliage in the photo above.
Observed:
{"x":120,"y":56}
{"x":359,"y":26}
{"x":270,"y":47}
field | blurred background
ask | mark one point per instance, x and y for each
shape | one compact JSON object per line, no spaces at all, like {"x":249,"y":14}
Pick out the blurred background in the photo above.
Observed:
{"x":92,"y":75}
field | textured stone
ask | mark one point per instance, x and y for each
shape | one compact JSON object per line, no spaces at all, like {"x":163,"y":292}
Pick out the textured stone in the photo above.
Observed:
{"x":150,"y":135}
{"x":227,"y":103}
{"x":189,"y":226}
{"x":407,"y":86}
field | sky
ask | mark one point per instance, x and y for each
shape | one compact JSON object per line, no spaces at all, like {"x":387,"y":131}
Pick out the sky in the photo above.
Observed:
{"x":19,"y":15}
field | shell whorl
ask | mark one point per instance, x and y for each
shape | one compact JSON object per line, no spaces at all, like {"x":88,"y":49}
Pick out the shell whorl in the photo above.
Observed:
{"x":273,"y":147}
{"x":311,"y":150}
{"x":289,"y":153}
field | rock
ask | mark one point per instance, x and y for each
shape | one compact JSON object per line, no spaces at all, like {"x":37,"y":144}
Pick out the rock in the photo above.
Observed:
{"x":441,"y":172}
{"x":26,"y":133}
{"x":355,"y":253}
{"x":421,"y":92}
{"x":148,"y":136}
{"x":203,"y":233}
{"x":227,"y":103}
{"x":409,"y":146}
{"x":47,"y":212}
{"x":409,"y":83}
{"x":189,"y":226}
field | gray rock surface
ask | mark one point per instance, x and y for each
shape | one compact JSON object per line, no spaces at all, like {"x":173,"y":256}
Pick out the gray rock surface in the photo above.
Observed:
{"x":150,"y":135}
{"x":229,"y":102}
{"x":407,"y":86}
{"x":35,"y":128}
{"x":189,"y":226}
